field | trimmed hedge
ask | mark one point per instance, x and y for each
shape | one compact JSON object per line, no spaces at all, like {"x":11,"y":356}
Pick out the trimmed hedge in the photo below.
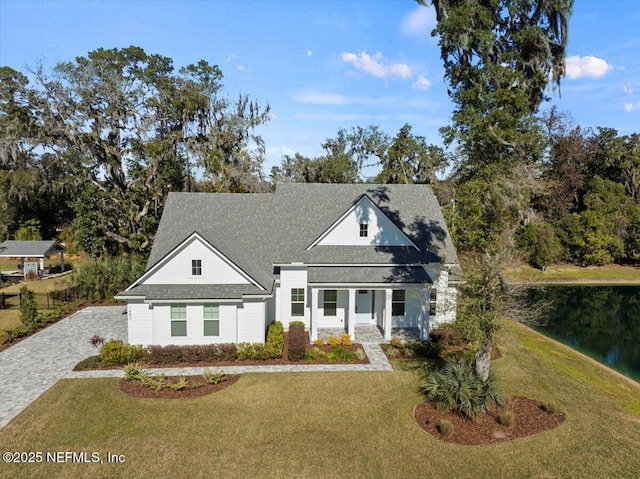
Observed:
{"x":297,"y":342}
{"x":192,"y":353}
{"x":116,"y":352}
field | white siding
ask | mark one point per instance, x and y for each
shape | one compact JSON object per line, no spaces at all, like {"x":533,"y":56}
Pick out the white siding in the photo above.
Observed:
{"x":139,"y":323}
{"x":381,"y":230}
{"x":445,"y":301}
{"x":293,"y":277}
{"x":215,"y":270}
{"x":413,"y":300}
{"x":251,"y":322}
{"x":337,"y":321}
{"x":195,"y":325}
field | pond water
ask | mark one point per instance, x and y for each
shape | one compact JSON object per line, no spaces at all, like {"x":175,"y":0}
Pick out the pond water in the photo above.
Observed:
{"x":600,"y":321}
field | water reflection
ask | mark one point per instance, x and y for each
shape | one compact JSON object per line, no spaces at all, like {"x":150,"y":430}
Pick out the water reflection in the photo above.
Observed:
{"x":601,"y":321}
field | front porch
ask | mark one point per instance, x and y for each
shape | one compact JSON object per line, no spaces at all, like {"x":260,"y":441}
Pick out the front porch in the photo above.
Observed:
{"x":371,"y":334}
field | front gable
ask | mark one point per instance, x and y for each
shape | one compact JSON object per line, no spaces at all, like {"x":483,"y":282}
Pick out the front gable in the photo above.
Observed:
{"x":195,"y":261}
{"x":364,"y":224}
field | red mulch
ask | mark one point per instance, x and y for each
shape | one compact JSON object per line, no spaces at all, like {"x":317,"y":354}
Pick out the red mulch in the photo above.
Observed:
{"x":529,"y":419}
{"x":137,"y":390}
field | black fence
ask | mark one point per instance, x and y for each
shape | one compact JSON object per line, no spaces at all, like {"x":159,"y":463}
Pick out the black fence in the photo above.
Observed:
{"x":43,"y":300}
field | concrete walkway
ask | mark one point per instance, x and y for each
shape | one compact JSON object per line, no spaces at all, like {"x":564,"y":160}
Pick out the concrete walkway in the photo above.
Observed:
{"x":32,"y":366}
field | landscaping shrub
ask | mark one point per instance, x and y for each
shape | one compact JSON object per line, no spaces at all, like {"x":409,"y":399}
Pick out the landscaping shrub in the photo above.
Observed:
{"x":445,"y":428}
{"x":333,"y":341}
{"x":297,"y":342}
{"x":172,"y":354}
{"x":296,"y":324}
{"x":345,"y":339}
{"x":314,"y":354}
{"x":340,"y":354}
{"x":133,"y":371}
{"x":446,"y":336}
{"x":115,"y":352}
{"x":550,"y":407}
{"x":214,"y":378}
{"x":506,"y":419}
{"x":458,"y":387}
{"x":28,"y":308}
{"x":256,"y":351}
{"x":96,"y":341}
{"x":319,"y":342}
{"x":360,"y":354}
{"x":275,"y":339}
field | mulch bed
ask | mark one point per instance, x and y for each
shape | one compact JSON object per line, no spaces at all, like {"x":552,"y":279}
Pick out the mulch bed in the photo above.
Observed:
{"x":529,"y":419}
{"x":137,"y":390}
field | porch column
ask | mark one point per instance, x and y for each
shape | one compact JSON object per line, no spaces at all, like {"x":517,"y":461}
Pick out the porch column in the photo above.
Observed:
{"x":388,"y":294}
{"x":42,"y":263}
{"x":62,"y":262}
{"x":314,"y":314}
{"x":352,"y":314}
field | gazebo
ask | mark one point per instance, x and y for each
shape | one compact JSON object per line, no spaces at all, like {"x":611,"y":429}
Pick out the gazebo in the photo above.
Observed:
{"x":32,"y":249}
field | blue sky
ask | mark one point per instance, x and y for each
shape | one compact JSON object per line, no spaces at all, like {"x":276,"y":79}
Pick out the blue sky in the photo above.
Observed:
{"x":326,"y":65}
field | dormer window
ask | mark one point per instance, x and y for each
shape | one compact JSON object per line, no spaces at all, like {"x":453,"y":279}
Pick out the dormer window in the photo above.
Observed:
{"x":364,"y":230}
{"x":196,"y":267}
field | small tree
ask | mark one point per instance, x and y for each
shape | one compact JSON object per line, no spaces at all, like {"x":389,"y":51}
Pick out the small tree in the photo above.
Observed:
{"x":28,"y":308}
{"x":486,"y":301}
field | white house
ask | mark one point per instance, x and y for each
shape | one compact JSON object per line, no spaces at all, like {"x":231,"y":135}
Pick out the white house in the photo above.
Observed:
{"x":224,"y":266}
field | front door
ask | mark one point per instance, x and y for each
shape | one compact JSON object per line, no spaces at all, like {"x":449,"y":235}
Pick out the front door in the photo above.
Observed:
{"x":363,"y":306}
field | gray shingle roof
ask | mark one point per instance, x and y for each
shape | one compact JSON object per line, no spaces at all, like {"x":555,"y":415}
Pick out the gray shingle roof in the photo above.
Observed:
{"x":256,"y":231}
{"x":369,"y":274}
{"x":36,"y":249}
{"x":192,"y":291}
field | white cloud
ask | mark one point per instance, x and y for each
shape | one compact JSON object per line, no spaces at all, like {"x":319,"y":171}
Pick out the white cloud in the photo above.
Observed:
{"x":632,"y":106}
{"x":422,"y":83}
{"x":309,"y":53}
{"x":240,"y":68}
{"x":589,"y":66}
{"x":318,"y":98}
{"x":419,"y":22}
{"x":627,"y":89}
{"x":375,"y":65}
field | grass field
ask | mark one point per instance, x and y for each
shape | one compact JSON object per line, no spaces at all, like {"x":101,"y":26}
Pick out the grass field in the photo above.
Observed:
{"x":321,"y":425}
{"x":567,"y":273}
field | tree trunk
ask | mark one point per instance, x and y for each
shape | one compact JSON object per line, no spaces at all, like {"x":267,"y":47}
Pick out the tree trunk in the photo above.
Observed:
{"x":483,"y":361}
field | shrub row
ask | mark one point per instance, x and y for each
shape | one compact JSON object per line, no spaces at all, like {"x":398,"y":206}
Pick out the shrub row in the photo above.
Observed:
{"x":191,"y":354}
{"x":272,"y":349}
{"x":297,"y":341}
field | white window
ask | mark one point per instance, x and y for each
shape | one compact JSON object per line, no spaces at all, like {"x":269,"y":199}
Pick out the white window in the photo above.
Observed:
{"x":297,"y":302}
{"x":212,"y":320}
{"x":196,"y":267}
{"x":364,"y":230}
{"x":330,"y":301}
{"x":397,"y":302}
{"x":178,"y":320}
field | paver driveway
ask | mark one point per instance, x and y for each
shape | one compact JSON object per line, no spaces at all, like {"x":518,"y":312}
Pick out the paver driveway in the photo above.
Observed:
{"x":32,"y":366}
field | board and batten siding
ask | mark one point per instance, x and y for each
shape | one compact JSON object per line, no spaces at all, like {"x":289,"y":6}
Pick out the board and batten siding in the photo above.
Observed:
{"x":251,"y":321}
{"x":215,"y":270}
{"x":381,"y":230}
{"x":195,"y":325}
{"x":139,"y":323}
{"x":293,"y":277}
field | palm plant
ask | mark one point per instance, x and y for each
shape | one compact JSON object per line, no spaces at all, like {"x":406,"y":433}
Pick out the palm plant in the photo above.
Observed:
{"x":458,"y":387}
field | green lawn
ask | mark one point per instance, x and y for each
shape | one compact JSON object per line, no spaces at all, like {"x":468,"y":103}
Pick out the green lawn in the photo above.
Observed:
{"x":566,"y":273}
{"x":321,"y":425}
